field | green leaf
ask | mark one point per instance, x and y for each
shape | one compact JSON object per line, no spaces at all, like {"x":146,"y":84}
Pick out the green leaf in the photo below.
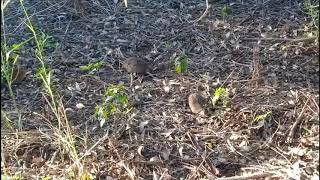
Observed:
{"x":84,"y":68}
{"x":115,"y":102}
{"x":92,"y":66}
{"x":167,"y":45}
{"x":15,"y":46}
{"x":226,"y":10}
{"x":86,"y":176}
{"x":220,"y":94}
{"x":112,"y":108}
{"x":262,"y":116}
{"x":181,"y":64}
{"x":46,"y":178}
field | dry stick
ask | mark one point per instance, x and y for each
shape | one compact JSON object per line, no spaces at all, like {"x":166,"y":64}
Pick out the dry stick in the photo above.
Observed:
{"x":229,"y":76}
{"x":92,"y":147}
{"x":252,"y":176}
{"x":121,"y":162}
{"x":213,"y":169}
{"x":281,"y":39}
{"x":298,"y":121}
{"x":205,"y":12}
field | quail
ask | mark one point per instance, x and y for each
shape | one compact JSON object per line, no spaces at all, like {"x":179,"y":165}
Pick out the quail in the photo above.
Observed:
{"x":134,"y":65}
{"x":19,"y":73}
{"x":197,"y":103}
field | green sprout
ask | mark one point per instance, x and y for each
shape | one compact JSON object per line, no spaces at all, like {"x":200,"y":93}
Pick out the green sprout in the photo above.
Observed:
{"x":92,"y":67}
{"x":115,"y":103}
{"x":312,"y":9}
{"x":221,"y":97}
{"x":167,"y":45}
{"x":262,"y":117}
{"x":181,"y":64}
{"x":226,"y":10}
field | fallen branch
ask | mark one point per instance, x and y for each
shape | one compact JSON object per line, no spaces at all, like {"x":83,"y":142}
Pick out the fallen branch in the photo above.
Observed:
{"x":252,"y":176}
{"x":281,"y":39}
{"x":296,"y":123}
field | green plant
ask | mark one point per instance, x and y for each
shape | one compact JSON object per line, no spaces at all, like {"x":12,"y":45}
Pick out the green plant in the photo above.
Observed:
{"x":86,"y":176}
{"x":167,"y":44}
{"x":46,"y":178}
{"x":64,"y":136}
{"x":226,"y":10}
{"x":262,"y":117}
{"x":5,"y":177}
{"x":9,"y":59}
{"x":312,"y":9}
{"x":115,"y":103}
{"x":5,"y":120}
{"x":92,"y":67}
{"x":220,"y":97}
{"x":181,"y":63}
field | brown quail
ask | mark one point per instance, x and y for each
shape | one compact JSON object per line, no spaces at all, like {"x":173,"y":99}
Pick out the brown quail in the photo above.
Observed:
{"x":134,"y":65}
{"x":197,"y":103}
{"x":19,"y":73}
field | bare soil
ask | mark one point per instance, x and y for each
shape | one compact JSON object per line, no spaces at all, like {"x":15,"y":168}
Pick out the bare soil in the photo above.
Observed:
{"x":259,"y":52}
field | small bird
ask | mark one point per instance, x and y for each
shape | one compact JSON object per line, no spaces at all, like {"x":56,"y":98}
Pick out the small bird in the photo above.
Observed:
{"x":134,"y":65}
{"x":197,"y":103}
{"x":19,"y":73}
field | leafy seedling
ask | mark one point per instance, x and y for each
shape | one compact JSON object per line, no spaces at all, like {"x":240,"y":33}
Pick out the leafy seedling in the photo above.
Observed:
{"x":181,"y":64}
{"x":226,"y":10}
{"x":167,"y":45}
{"x":9,"y":59}
{"x":259,"y":120}
{"x":44,"y":73}
{"x":92,"y":67}
{"x":262,"y":117}
{"x":221,"y":97}
{"x":115,"y":103}
{"x":312,"y":9}
{"x":86,"y":176}
{"x":51,"y":44}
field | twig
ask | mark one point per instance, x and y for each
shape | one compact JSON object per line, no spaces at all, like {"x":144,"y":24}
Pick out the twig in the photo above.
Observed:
{"x":92,"y":147}
{"x":252,"y":176}
{"x":205,"y":12}
{"x":213,"y":170}
{"x":281,"y":39}
{"x":229,"y":76}
{"x":298,"y":121}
